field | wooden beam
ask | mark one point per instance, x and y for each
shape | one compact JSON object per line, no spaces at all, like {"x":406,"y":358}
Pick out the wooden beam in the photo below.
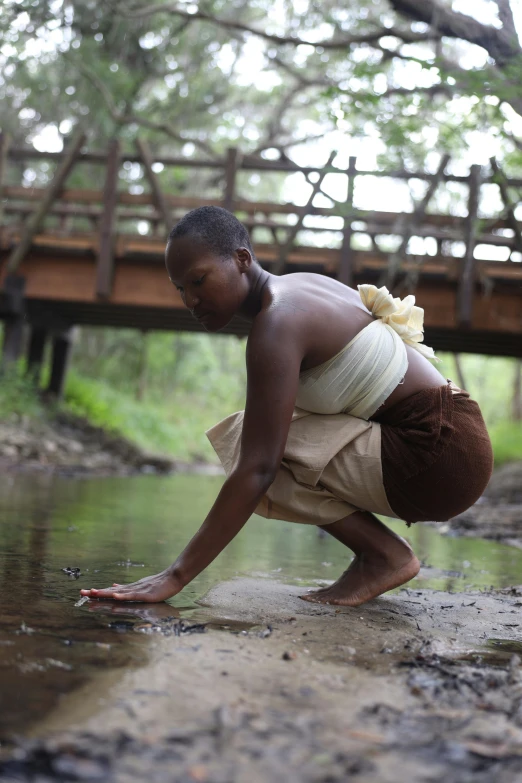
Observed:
{"x":54,"y":189}
{"x":184,"y":203}
{"x":158,"y":197}
{"x":345,"y":274}
{"x":231,"y":167}
{"x":502,"y":184}
{"x":105,"y":265}
{"x":467,"y":275}
{"x":248,"y":162}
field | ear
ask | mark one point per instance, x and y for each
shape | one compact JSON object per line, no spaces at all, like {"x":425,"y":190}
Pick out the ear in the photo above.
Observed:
{"x":244,"y":259}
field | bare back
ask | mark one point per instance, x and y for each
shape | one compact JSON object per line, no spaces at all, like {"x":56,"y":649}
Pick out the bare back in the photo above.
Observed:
{"x":329,"y":315}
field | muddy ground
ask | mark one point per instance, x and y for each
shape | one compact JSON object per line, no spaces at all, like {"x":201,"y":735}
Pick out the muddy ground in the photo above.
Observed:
{"x":417,"y":686}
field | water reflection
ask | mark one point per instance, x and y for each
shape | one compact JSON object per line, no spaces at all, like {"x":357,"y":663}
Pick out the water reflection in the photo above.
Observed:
{"x":121,"y":529}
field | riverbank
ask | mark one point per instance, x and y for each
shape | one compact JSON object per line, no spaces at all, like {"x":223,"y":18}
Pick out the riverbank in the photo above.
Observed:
{"x":421,"y":685}
{"x":70,"y":445}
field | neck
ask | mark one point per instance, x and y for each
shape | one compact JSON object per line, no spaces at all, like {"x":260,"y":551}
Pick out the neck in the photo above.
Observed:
{"x":252,"y":304}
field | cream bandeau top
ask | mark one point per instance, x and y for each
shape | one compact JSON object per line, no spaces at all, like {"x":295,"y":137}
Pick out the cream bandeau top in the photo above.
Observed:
{"x":363,"y":375}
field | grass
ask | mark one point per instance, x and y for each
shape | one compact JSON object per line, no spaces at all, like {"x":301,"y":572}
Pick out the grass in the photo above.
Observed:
{"x":175,"y":427}
{"x":18,"y":395}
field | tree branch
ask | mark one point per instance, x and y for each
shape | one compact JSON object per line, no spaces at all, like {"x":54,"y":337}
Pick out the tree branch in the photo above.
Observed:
{"x":127,"y":118}
{"x":505,"y":14}
{"x":328,"y":43}
{"x":498,"y":43}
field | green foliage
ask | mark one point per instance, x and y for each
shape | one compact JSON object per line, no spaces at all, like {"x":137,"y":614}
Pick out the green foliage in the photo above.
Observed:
{"x":506,"y":437}
{"x":175,"y":426}
{"x":18,"y":394}
{"x":192,"y":83}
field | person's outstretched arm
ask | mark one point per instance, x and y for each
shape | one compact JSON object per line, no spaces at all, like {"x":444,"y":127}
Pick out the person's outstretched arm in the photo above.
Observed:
{"x":274,"y":355}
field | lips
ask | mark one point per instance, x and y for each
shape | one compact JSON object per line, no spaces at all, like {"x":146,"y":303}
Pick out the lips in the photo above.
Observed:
{"x":200,"y":316}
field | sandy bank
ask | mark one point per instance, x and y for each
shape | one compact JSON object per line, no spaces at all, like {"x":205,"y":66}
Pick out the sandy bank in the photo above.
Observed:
{"x":418,"y":686}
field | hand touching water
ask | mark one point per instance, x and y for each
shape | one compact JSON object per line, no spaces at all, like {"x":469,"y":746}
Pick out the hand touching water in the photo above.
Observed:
{"x":151,"y":589}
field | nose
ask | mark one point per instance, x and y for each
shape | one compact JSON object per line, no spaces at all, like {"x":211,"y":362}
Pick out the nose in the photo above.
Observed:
{"x":191,"y":301}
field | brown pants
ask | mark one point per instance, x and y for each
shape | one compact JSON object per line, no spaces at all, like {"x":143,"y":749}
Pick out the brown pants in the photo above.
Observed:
{"x":436,"y":454}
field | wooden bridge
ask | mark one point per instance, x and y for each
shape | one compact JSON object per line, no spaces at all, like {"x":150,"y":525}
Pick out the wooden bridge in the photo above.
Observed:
{"x":71,"y":256}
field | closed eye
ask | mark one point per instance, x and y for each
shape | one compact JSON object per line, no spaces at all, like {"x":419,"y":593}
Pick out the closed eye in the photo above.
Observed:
{"x":198,"y":282}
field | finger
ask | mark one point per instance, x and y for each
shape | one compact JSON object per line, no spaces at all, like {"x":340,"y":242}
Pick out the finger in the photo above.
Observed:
{"x":128,"y":596}
{"x":106,"y":592}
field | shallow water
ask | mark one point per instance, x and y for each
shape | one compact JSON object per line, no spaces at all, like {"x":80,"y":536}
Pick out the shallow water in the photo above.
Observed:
{"x":121,"y":529}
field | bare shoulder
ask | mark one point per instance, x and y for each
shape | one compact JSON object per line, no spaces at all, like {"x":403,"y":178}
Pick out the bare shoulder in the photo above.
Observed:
{"x":306,"y":315}
{"x":277,"y":328}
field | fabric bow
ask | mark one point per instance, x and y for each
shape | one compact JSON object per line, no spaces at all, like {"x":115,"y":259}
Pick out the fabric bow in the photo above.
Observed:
{"x":402,"y":315}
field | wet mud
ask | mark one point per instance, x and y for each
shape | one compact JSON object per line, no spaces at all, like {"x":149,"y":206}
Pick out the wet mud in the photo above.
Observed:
{"x":422,"y":685}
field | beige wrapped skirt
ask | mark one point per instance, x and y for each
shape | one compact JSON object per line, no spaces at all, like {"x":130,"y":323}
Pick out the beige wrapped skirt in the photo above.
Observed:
{"x":331,"y":467}
{"x":429,"y":456}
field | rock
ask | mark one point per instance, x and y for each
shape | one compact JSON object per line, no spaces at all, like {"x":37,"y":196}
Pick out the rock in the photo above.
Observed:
{"x":9,"y":451}
{"x":50,"y":446}
{"x":71,"y":444}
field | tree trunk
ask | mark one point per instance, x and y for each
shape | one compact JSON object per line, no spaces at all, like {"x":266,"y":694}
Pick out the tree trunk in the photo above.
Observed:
{"x":460,"y":372}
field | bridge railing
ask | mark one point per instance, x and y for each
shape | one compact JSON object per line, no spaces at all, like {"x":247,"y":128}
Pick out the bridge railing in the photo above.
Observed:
{"x":321,"y":230}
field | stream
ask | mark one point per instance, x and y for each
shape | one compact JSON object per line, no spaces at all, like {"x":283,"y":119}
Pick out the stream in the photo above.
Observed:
{"x":121,"y":529}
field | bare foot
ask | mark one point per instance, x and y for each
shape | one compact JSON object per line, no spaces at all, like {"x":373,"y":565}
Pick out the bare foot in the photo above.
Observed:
{"x":367,"y":577}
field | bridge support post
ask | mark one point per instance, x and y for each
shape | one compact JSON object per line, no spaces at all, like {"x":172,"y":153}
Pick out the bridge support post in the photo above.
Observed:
{"x":35,"y":352}
{"x":12,"y":304}
{"x":13,"y":339}
{"x":61,"y":354}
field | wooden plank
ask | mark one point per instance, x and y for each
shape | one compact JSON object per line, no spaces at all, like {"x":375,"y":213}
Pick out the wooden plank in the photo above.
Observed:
{"x":51,"y":193}
{"x":467,"y":276}
{"x":502,"y":184}
{"x":345,"y":274}
{"x":158,"y":197}
{"x":105,"y":265}
{"x":231,"y":167}
{"x":249,"y":162}
{"x":370,"y":229}
{"x":250,"y":207}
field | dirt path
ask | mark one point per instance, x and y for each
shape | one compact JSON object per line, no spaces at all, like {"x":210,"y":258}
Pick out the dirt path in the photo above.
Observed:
{"x":418,"y":686}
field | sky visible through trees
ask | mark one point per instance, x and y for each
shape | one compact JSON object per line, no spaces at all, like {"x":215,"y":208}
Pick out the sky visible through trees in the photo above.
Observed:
{"x":396,"y":79}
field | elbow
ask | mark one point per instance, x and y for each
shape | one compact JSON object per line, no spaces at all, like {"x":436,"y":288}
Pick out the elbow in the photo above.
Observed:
{"x":259,"y":477}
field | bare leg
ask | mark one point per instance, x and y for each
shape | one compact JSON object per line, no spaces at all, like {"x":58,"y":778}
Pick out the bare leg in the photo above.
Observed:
{"x":382,"y":561}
